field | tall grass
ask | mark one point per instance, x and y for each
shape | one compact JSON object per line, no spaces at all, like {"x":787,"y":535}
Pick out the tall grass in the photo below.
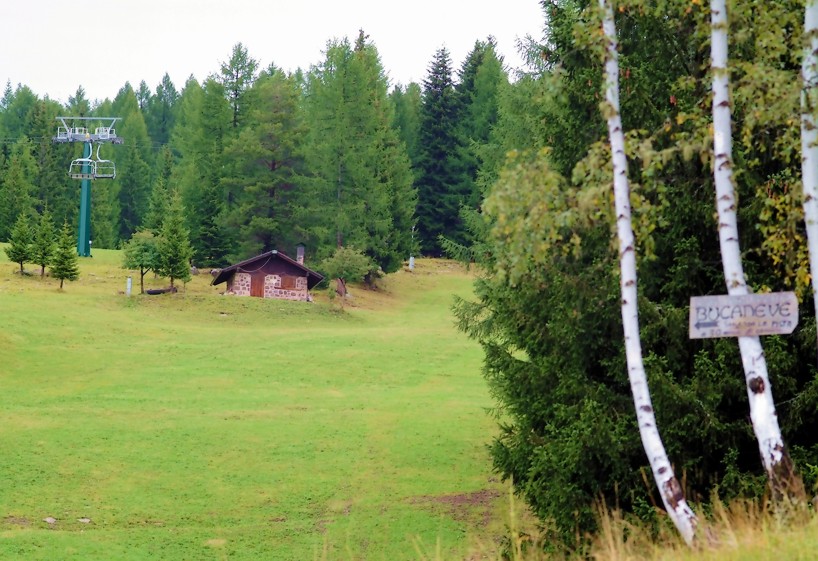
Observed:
{"x":741,"y":530}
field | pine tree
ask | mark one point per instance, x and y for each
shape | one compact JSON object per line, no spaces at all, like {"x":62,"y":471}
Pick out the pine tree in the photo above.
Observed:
{"x":42,"y":250}
{"x":174,"y":248}
{"x":64,"y":265}
{"x":20,"y":242}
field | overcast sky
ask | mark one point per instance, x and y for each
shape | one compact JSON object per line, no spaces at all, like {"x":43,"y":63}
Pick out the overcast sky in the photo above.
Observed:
{"x":54,"y":46}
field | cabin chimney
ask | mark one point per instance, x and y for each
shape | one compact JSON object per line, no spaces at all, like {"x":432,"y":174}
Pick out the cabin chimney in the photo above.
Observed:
{"x":299,"y":253}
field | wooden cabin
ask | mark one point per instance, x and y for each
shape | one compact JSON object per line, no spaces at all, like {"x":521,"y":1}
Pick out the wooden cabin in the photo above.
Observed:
{"x":270,"y":275}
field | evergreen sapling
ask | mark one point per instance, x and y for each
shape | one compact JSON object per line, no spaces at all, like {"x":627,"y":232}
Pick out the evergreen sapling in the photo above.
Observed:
{"x":20,"y":242}
{"x":42,"y":249}
{"x":65,"y":265}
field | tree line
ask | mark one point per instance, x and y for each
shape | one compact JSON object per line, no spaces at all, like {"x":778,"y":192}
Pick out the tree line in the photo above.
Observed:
{"x":264,"y":159}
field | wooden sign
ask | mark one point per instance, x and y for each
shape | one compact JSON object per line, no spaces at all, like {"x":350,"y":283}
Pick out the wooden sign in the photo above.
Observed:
{"x":750,"y":315}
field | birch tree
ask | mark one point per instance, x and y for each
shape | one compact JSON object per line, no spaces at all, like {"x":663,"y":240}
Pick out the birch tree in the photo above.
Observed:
{"x":762,"y":408}
{"x":809,"y":138}
{"x":669,"y":487}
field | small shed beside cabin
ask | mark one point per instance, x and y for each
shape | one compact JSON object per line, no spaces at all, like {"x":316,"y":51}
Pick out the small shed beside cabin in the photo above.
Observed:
{"x":270,"y":275}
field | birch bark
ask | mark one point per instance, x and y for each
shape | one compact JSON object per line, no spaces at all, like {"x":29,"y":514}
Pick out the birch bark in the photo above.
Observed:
{"x":762,"y":408}
{"x":809,"y":139}
{"x":670,"y":490}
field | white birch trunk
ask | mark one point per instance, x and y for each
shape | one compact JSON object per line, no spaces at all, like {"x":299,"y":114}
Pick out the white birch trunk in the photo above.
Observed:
{"x":672,"y":494}
{"x":809,"y":139}
{"x":762,"y":408}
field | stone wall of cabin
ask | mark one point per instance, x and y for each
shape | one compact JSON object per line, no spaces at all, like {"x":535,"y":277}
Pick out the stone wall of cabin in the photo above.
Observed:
{"x":273,"y":289}
{"x":240,"y":285}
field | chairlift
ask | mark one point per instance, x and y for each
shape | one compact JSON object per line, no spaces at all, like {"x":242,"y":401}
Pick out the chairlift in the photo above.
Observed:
{"x":82,"y":168}
{"x":105,"y":169}
{"x":105,"y":133}
{"x":63,"y":134}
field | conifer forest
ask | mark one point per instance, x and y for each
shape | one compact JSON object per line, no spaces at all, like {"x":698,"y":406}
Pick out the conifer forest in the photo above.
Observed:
{"x":509,"y":170}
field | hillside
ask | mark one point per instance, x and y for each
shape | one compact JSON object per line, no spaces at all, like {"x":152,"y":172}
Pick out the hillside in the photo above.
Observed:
{"x":199,"y":426}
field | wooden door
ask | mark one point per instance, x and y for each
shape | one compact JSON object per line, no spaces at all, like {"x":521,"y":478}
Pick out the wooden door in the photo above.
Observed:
{"x":257,"y":286}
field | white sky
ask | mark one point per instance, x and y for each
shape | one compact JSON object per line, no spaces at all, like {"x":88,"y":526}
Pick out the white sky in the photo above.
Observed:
{"x":53,"y":46}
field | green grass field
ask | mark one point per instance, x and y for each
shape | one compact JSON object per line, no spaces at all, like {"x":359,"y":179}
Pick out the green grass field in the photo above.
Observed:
{"x":199,"y":426}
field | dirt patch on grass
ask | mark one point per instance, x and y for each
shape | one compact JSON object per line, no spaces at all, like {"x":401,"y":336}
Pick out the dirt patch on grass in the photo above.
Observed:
{"x":16,"y":521}
{"x":474,"y":508}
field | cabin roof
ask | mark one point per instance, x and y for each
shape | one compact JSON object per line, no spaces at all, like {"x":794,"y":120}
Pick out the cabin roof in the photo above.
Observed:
{"x":259,"y":261}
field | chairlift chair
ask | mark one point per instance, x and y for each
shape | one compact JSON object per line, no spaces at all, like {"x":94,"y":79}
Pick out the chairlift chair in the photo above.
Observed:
{"x":105,"y":169}
{"x":105,"y":133}
{"x":78,"y":169}
{"x":63,"y":134}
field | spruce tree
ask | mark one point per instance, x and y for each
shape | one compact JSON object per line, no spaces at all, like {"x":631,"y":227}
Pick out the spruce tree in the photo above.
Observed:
{"x":42,"y":250}
{"x":20,"y":242}
{"x":133,"y":163}
{"x":481,"y":79}
{"x":52,"y":186}
{"x":174,"y":247}
{"x":16,"y":186}
{"x":437,"y":173}
{"x":161,"y":114}
{"x":64,"y":265}
{"x":160,"y":194}
{"x":406,"y":105}
{"x":17,"y":107}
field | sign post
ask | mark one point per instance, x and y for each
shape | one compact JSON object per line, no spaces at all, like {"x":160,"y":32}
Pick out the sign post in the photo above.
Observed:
{"x":748,"y":315}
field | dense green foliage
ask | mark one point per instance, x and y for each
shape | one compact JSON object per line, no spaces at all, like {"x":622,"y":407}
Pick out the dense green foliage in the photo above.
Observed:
{"x":514,"y":175}
{"x":173,"y":249}
{"x":44,"y":243}
{"x":548,"y":308}
{"x":141,"y":253}
{"x":19,"y":248}
{"x":347,"y":264}
{"x":65,"y":265}
{"x":264,"y":159}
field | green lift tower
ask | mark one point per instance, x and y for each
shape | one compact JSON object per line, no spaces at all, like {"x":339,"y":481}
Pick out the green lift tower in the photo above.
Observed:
{"x":90,"y":166}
